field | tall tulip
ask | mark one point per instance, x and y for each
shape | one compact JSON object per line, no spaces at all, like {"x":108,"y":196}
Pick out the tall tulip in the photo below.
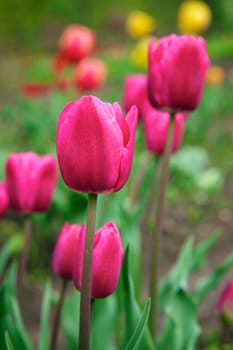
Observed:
{"x":95,"y":145}
{"x":176,"y":72}
{"x":30,"y":180}
{"x":4,"y":199}
{"x":77,"y":42}
{"x":107,"y":260}
{"x":65,"y":250}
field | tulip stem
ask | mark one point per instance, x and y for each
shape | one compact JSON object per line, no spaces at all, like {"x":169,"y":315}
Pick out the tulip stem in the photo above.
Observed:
{"x":158,"y":227}
{"x":85,"y":301}
{"x":24,"y":255}
{"x":57,"y":316}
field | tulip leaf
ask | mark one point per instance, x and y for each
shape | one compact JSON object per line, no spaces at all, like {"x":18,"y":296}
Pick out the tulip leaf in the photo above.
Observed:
{"x":45,"y":318}
{"x":14,"y":244}
{"x":140,"y":328}
{"x":8,"y":341}
{"x":207,"y":284}
{"x":181,"y":329}
{"x":70,"y":320}
{"x":131,"y":306}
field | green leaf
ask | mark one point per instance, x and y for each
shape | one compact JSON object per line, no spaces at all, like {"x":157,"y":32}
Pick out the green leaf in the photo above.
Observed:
{"x":202,"y":249}
{"x":181,"y":329}
{"x":13,"y":245}
{"x":70,"y":320}
{"x":178,"y":277}
{"x":131,"y":307}
{"x":45,"y":315}
{"x":140,"y":328}
{"x":207,"y":284}
{"x":8,"y":341}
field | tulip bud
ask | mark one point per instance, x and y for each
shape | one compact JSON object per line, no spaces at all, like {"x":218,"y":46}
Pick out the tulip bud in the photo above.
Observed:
{"x":225,"y":304}
{"x":95,"y":145}
{"x":177,"y":71}
{"x":90,"y":74}
{"x":106,"y":261}
{"x":155,"y":126}
{"x":4,"y":199}
{"x":65,"y":251}
{"x":30,"y":181}
{"x":135,"y":91}
{"x":77,"y":42}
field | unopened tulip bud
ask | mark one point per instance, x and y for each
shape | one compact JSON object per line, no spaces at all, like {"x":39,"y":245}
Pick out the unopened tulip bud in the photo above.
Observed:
{"x":95,"y":145}
{"x":106,"y":261}
{"x":30,"y":180}
{"x":65,"y":251}
{"x":135,"y":91}
{"x":177,"y":71}
{"x":225,"y":304}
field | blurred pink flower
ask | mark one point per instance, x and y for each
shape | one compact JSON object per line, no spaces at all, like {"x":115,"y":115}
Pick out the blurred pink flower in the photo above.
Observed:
{"x":225,"y":303}
{"x":30,"y":181}
{"x":135,"y":91}
{"x":4,"y":199}
{"x":77,"y":42}
{"x":65,"y":250}
{"x":90,"y":74}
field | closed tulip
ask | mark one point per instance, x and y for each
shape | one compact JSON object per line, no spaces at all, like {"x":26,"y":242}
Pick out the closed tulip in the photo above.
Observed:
{"x":30,"y":180}
{"x":65,"y":251}
{"x":155,"y":126}
{"x":95,"y":145}
{"x":176,"y":72}
{"x":90,"y":74}
{"x":4,"y":199}
{"x":77,"y":42}
{"x":106,"y":261}
{"x":135,"y":91}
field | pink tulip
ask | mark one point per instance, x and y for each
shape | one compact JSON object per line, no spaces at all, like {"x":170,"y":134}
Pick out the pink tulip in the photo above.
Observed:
{"x":90,"y":74}
{"x":225,"y":302}
{"x":30,"y":181}
{"x":95,"y":145}
{"x":77,"y":42}
{"x":4,"y":199}
{"x":65,"y":251}
{"x":155,"y":125}
{"x":135,"y":91}
{"x":176,"y":72}
{"x":106,"y":261}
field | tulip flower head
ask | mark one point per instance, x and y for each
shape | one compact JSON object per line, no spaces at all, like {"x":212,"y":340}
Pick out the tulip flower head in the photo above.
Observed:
{"x":65,"y":251}
{"x":77,"y":42}
{"x":225,"y":304}
{"x":176,"y":72}
{"x":4,"y":199}
{"x":90,"y":74}
{"x":155,"y":125}
{"x":135,"y":91}
{"x":106,"y":261}
{"x":95,"y":145}
{"x":30,"y":180}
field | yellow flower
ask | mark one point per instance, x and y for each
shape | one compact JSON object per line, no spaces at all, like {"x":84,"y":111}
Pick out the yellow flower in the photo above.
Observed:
{"x":215,"y":75}
{"x":194,"y":17}
{"x":139,"y":54}
{"x":139,"y":24}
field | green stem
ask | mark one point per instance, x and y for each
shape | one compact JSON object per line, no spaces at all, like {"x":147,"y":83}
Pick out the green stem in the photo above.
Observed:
{"x":158,"y":227}
{"x":24,"y":255}
{"x":85,"y":301}
{"x":57,"y":316}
